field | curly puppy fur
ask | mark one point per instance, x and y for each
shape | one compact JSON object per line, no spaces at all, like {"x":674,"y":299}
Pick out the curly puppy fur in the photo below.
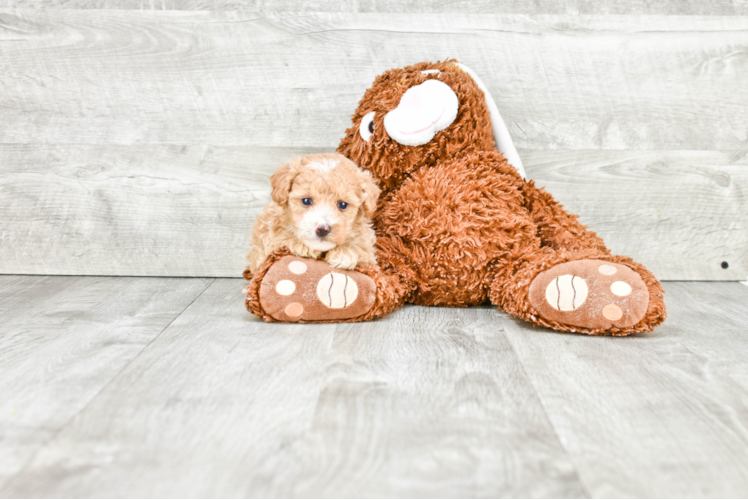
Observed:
{"x":321,"y":208}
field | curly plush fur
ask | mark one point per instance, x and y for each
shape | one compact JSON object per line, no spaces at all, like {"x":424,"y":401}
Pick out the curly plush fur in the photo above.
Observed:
{"x":456,"y":224}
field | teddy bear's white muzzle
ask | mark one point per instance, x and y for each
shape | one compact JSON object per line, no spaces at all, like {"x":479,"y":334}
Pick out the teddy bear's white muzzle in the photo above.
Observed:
{"x":423,"y":111}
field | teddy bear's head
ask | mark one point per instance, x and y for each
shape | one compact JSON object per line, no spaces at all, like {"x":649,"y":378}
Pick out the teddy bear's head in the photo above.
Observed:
{"x":414,"y":116}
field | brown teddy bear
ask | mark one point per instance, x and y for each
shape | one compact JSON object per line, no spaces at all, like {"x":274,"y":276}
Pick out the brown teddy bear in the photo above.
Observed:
{"x":458,"y":225}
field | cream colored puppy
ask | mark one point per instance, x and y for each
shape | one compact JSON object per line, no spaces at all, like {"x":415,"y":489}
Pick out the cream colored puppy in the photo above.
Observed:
{"x":321,"y":207}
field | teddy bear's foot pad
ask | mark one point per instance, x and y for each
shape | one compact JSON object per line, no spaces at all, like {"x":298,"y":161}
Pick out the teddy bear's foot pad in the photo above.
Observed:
{"x":301,"y":289}
{"x":594,"y":294}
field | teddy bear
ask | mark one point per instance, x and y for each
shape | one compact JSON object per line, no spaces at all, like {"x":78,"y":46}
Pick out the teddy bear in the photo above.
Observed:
{"x":458,"y":224}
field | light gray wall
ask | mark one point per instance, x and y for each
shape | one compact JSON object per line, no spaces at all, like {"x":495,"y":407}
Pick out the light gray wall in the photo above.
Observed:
{"x":139,"y":141}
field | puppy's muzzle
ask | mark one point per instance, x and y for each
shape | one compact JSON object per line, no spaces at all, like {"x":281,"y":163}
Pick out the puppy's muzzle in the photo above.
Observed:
{"x":322,"y":230}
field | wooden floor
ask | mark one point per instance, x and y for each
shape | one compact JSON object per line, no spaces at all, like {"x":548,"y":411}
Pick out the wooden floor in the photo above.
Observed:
{"x":167,"y":387}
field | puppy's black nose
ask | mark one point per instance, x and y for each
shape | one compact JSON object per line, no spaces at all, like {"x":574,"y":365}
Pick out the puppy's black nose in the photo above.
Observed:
{"x":323,"y":231}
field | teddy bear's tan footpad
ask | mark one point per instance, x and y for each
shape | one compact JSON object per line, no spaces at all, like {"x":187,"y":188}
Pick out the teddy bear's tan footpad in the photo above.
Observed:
{"x":591,"y":294}
{"x":300,"y":289}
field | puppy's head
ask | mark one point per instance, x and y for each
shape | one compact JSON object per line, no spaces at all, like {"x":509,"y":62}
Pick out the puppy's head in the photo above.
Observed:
{"x":326,"y":197}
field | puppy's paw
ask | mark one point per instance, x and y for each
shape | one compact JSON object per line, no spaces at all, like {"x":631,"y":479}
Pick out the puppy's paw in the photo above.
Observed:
{"x":302,"y":250}
{"x":342,"y":258}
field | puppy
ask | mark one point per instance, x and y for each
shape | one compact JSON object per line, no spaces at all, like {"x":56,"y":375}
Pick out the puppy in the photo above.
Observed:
{"x":321,"y":207}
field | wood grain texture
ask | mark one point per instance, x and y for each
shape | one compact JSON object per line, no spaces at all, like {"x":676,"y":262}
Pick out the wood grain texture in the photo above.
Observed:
{"x":587,"y":7}
{"x":285,"y":80}
{"x":113,"y":210}
{"x":703,"y":305}
{"x":188,"y":210}
{"x":431,"y":402}
{"x":681,"y":213}
{"x":63,"y":339}
{"x":139,"y":142}
{"x":655,"y":415}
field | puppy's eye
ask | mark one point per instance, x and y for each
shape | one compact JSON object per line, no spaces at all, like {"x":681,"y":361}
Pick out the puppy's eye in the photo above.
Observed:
{"x":342,"y":205}
{"x":306,"y":201}
{"x":366,"y":129}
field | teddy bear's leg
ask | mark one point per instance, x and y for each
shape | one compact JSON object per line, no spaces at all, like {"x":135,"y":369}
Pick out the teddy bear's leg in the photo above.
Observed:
{"x":557,"y":228}
{"x":585,"y":291}
{"x":294,"y":289}
{"x":570,"y":282}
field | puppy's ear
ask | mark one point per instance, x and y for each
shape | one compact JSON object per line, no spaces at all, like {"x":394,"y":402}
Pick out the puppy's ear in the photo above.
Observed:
{"x":370,"y":193}
{"x":282,"y":180}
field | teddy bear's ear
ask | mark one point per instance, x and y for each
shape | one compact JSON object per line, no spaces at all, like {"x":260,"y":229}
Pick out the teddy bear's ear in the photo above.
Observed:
{"x":370,"y":193}
{"x":501,"y":135}
{"x":282,"y":179}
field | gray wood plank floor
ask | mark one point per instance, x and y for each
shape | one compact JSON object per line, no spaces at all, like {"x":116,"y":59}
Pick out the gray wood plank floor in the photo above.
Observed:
{"x":62,"y":340}
{"x":167,"y":387}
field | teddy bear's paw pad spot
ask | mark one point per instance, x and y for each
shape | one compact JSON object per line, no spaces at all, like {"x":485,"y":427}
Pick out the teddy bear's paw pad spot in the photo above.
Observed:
{"x":566,"y":293}
{"x":285,"y":287}
{"x":294,"y":309}
{"x":592,"y":294}
{"x":607,"y":270}
{"x":612,"y":312}
{"x":336,"y":290}
{"x":297,"y":267}
{"x":307,"y":290}
{"x":620,"y":288}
